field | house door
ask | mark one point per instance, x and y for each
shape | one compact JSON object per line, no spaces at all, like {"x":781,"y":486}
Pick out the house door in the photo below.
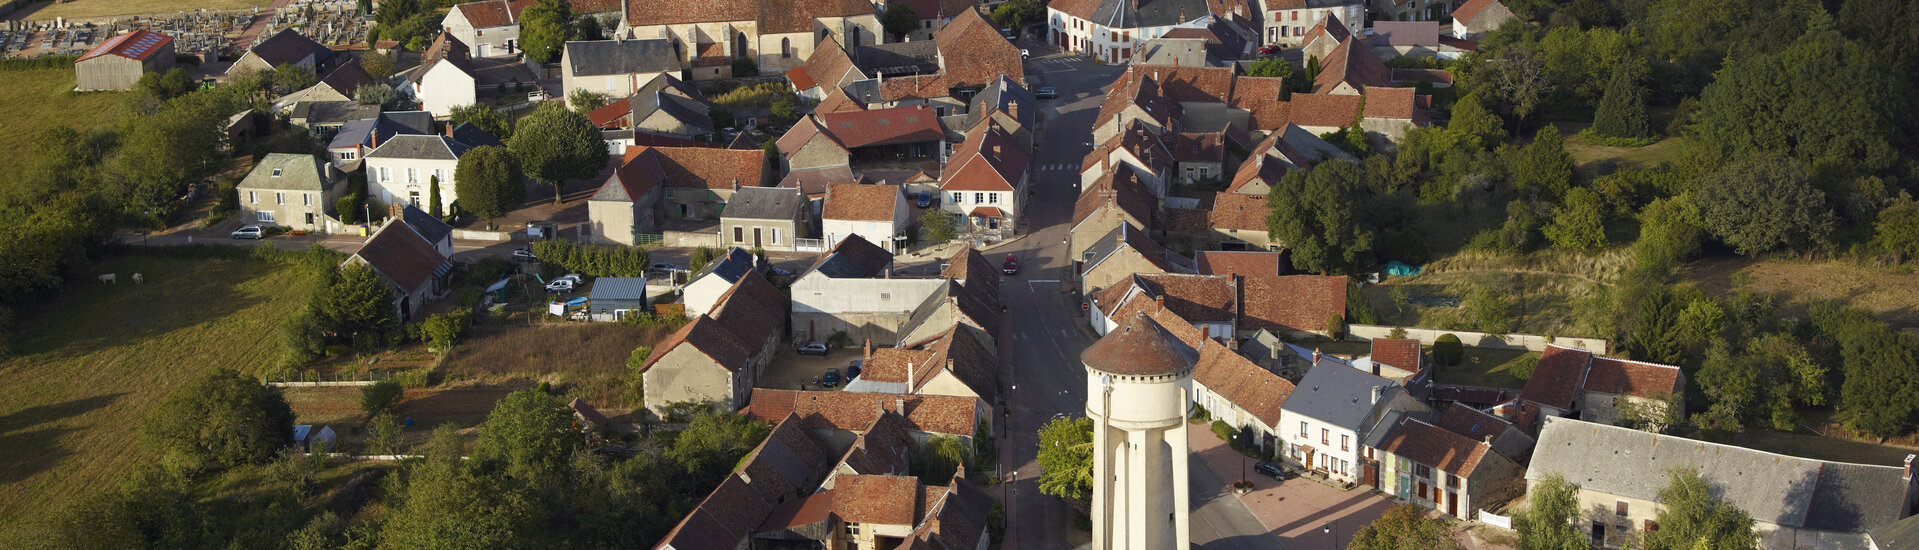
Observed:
{"x":685,"y":211}
{"x":756,"y":237}
{"x":309,"y":219}
{"x":1422,"y":490}
{"x":1452,"y":503}
{"x":1369,"y":474}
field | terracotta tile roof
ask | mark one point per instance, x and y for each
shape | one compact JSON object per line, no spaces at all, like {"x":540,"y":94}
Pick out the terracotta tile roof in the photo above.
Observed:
{"x":138,"y":45}
{"x":1260,"y":168}
{"x":711,"y":168}
{"x":825,"y":67}
{"x":796,"y":16}
{"x":986,"y":212}
{"x":954,"y":518}
{"x":772,"y":16}
{"x":1109,"y":299}
{"x":972,"y":360}
{"x":1187,"y":84}
{"x":838,"y":102}
{"x":1234,"y":262}
{"x":1236,"y":211}
{"x":1197,"y":147}
{"x":726,"y":517}
{"x":972,"y":53}
{"x":1471,"y":9}
{"x":1195,"y":298}
{"x":989,"y":160}
{"x":855,"y":411}
{"x":1354,"y":64}
{"x":813,"y":509}
{"x":750,"y":312}
{"x":1144,"y":145}
{"x":885,"y":500}
{"x":884,"y":448}
{"x":1557,"y":377}
{"x":1082,"y":9}
{"x":846,"y":201}
{"x":1440,"y":449}
{"x":1120,"y":189}
{"x":1244,"y":384}
{"x":930,"y":9}
{"x":1323,"y":110}
{"x":1330,"y":27}
{"x":1634,"y":378}
{"x":1520,"y":413}
{"x":616,"y":114}
{"x":1390,"y":103}
{"x":1291,"y":302}
{"x":891,"y":365}
{"x":1186,"y":220}
{"x":445,"y":49}
{"x":1134,"y":89}
{"x":1140,"y":346}
{"x":854,"y":129}
{"x":968,"y":263}
{"x":401,"y":256}
{"x":1402,"y":353}
{"x":802,"y":132}
{"x":1471,"y":423}
{"x":488,"y":14}
{"x":638,"y":175}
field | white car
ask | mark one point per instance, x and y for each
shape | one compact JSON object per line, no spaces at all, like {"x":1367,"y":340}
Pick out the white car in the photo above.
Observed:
{"x":249,"y":232}
{"x":565,"y":284}
{"x":524,"y":254}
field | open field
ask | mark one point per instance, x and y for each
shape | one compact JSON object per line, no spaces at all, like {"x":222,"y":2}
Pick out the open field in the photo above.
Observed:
{"x":35,"y":101}
{"x":1585,"y":154}
{"x":91,"y":364}
{"x":104,"y":8}
{"x":428,"y":408}
{"x":584,"y":360}
{"x":1891,"y":295}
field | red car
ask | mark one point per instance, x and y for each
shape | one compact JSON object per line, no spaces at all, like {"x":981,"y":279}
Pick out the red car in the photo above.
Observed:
{"x":1011,"y":267}
{"x":1269,"y":49}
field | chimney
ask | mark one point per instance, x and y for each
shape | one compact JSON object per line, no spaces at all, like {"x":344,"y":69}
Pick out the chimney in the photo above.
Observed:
{"x":866,"y":356}
{"x":393,"y":210}
{"x":1908,"y":476}
{"x":1377,"y":390}
{"x":879,"y":407}
{"x":900,"y":404}
{"x":1160,"y":301}
{"x":1315,"y":357}
{"x":949,"y":364}
{"x":909,"y":379}
{"x":1012,"y":108}
{"x":996,"y":151}
{"x":449,"y":128}
{"x":1489,"y":439}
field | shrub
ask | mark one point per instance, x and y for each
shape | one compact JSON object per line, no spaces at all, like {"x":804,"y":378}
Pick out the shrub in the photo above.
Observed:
{"x":381,"y":397}
{"x":1336,"y":326}
{"x":1447,"y":350}
{"x":1224,"y":431}
{"x":443,"y":330}
{"x":1523,"y":366}
{"x":636,"y":384}
{"x":593,"y":261}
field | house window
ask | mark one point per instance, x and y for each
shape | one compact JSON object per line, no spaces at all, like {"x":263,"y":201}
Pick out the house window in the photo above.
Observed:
{"x":279,"y":198}
{"x":251,"y":199}
{"x":306,"y":199}
{"x":1343,"y":444}
{"x":1324,"y":436}
{"x":1619,"y":508}
{"x":776,"y":235}
{"x":412,"y":175}
{"x":439,"y":174}
{"x":958,"y":197}
{"x":1302,"y":429}
{"x":993,"y":198}
{"x":1295,"y":16}
{"x":1202,"y":172}
{"x":886,"y":295}
{"x":266,"y":216}
{"x":1452,"y":481}
{"x":413,"y":198}
{"x":384,"y":176}
{"x":979,"y":198}
{"x":739,"y":234}
{"x":786,"y":47}
{"x":852,"y":529}
{"x":1422,"y":471}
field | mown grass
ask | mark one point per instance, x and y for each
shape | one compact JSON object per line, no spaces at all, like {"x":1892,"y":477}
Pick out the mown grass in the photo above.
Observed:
{"x":91,"y":364}
{"x":101,"y":8}
{"x":35,"y":101}
{"x":1892,"y":295}
{"x":1486,"y":367}
{"x":1586,"y":154}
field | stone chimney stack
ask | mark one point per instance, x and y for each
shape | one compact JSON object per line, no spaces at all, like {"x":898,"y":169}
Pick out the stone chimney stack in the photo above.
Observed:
{"x":949,"y":364}
{"x":909,"y":378}
{"x":899,"y":403}
{"x":1160,"y":301}
{"x":1908,"y":476}
{"x":393,"y":210}
{"x":1377,"y":391}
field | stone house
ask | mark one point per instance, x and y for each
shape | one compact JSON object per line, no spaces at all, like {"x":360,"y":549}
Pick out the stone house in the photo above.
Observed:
{"x":776,"y":36}
{"x":614,"y":68}
{"x":1241,"y":394}
{"x":119,"y":62}
{"x":1287,"y":21}
{"x":701,"y":180}
{"x":1350,"y":69}
{"x":827,"y":70}
{"x":1239,"y":222}
{"x":1114,"y":199}
{"x":969,"y":54}
{"x":407,"y":259}
{"x":446,"y":77}
{"x":1435,"y":468}
{"x":628,"y":203}
{"x":765,"y":218}
{"x":489,"y":28}
{"x":960,"y":363}
{"x":1794,"y":502}
{"x":337,"y":85}
{"x":1574,"y":383}
{"x":1111,"y":30}
{"x":876,"y":213}
{"x":287,"y":47}
{"x":717,"y":358}
{"x":860,"y":137}
{"x":1121,"y":253}
{"x":1477,"y":17}
{"x":289,"y":190}
{"x":1138,"y":148}
{"x":1210,"y":303}
{"x":1325,"y":35}
{"x":1505,"y":437}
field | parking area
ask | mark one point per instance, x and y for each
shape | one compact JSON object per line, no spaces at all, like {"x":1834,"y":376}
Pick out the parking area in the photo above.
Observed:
{"x":790,"y":369}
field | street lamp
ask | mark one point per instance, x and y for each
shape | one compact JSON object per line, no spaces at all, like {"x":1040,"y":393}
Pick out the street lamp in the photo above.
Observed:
{"x":1328,"y":529}
{"x":1242,"y":458}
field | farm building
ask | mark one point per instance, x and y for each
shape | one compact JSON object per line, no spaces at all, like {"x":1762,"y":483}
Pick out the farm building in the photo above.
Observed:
{"x":118,"y":62}
{"x":616,"y":297}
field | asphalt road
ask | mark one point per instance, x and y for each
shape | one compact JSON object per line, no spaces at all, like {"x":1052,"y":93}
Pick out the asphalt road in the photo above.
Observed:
{"x":1043,"y":374}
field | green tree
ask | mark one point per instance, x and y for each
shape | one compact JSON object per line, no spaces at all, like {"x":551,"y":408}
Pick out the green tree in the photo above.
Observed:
{"x":495,"y":123}
{"x":356,"y":303}
{"x":1066,"y":455}
{"x":1881,"y":369}
{"x":377,"y":65}
{"x":584,"y":100}
{"x":531,"y":433}
{"x":448,"y":504}
{"x":1271,"y":66}
{"x":379,"y":94}
{"x":702,"y":256}
{"x":941,"y":457}
{"x":1654,"y":333}
{"x":1761,"y":203}
{"x":222,"y":418}
{"x":489,"y":182}
{"x":544,"y":29}
{"x":555,"y":145}
{"x":899,"y":19}
{"x":291,"y":78}
{"x":433,"y":194}
{"x":785,"y":111}
{"x":1622,"y":112}
{"x":1544,"y":167}
{"x":1470,"y":118}
{"x":938,"y":226}
{"x":1447,"y":350}
{"x":1897,"y":231}
{"x":443,"y":330}
{"x":1547,"y":521}
{"x":1317,"y":214}
{"x":381,"y":397}
{"x":1579,"y":224}
{"x":1691,"y":517}
{"x":383,"y":436}
{"x":713,"y":443}
{"x":1404,"y":526}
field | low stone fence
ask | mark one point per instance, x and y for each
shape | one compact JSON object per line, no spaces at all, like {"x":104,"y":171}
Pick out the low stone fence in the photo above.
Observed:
{"x":480,"y":235}
{"x":1529,"y":342}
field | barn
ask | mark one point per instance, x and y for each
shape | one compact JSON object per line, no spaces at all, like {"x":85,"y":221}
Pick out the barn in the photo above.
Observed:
{"x":118,"y":62}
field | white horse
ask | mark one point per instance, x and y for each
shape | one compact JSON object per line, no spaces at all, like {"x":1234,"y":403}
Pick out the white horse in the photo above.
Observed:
{"x":109,"y":278}
{"x":137,"y":279}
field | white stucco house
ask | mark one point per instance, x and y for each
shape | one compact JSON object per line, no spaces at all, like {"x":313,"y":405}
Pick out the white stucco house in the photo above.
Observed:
{"x":445,"y":78}
{"x":402,"y":170}
{"x":877,"y":213}
{"x":1111,"y":30}
{"x":1288,"y":22}
{"x":489,"y":28}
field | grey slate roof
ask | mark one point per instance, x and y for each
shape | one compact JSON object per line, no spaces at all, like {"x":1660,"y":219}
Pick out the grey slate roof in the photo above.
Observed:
{"x":618,"y":288}
{"x":999,"y":95}
{"x":853,"y":258}
{"x":1184,"y":52}
{"x":472,"y":136}
{"x":429,"y":227}
{"x":413,"y":122}
{"x":1150,"y":13}
{"x":436,"y":147}
{"x":1901,"y":535}
{"x":607,"y":57}
{"x":763,"y":203}
{"x":1773,"y":488}
{"x":737,"y":262}
{"x":1336,"y":394}
{"x":296,"y":173}
{"x":333,"y":112}
{"x":687,"y":110}
{"x":386,"y":126}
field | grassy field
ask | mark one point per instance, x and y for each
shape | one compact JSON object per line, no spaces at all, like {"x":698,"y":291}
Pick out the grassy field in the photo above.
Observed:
{"x":102,"y":8}
{"x":464,"y":407}
{"x":584,"y":360}
{"x":90,"y":365}
{"x":34,"y":101}
{"x":1639,"y":157}
{"x":1892,"y":295}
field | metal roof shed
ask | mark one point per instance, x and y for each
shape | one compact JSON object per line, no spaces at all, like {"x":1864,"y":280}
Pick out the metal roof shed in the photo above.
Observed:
{"x":616,"y":297}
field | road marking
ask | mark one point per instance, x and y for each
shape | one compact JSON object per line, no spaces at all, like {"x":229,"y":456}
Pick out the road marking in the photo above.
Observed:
{"x":1031,"y":281}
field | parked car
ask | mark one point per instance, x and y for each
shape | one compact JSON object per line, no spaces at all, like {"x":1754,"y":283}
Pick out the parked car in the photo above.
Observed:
{"x":853,"y":369}
{"x":831,"y":378}
{"x":249,"y":232}
{"x":664,"y":266}
{"x":812,"y":349}
{"x":524,"y":254}
{"x":1274,"y":470}
{"x":536,"y":95}
{"x":566,"y":283}
{"x":1024,"y":54}
{"x":1059,"y":416}
{"x":775,"y":271}
{"x":1047,"y":92}
{"x":1269,"y":49}
{"x":1010,"y":267}
{"x":925,"y":200}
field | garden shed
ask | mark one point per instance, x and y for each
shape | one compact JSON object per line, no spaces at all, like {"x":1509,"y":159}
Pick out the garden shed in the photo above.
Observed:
{"x":616,"y":297}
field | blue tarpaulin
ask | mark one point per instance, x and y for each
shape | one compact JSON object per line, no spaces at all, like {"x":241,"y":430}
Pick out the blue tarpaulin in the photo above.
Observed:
{"x":1397,"y":268}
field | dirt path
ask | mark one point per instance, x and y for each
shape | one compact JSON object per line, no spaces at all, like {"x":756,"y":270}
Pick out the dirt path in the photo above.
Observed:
{"x":259,"y":25}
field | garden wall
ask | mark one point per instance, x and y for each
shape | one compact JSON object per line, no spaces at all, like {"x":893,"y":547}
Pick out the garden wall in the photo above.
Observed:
{"x":1529,"y":342}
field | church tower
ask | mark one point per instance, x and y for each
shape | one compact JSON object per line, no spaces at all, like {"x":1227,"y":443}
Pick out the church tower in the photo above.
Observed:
{"x":1139,"y":381}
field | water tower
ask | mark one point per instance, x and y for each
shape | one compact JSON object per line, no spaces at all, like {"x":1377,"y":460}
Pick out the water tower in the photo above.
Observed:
{"x":1139,"y":381}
